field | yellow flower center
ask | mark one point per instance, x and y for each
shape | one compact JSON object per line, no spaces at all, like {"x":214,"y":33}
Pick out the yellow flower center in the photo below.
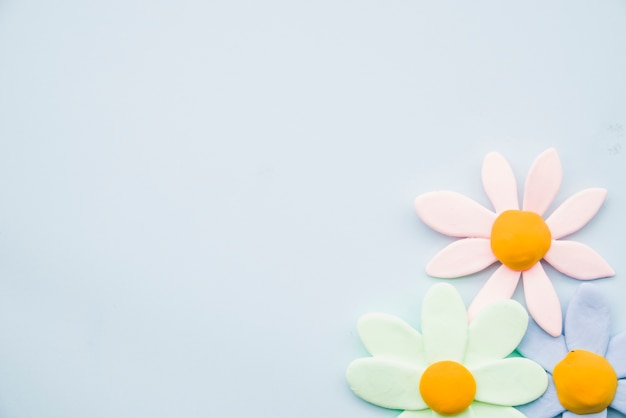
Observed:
{"x":447,"y":387}
{"x":585,"y":382}
{"x":519,"y":239}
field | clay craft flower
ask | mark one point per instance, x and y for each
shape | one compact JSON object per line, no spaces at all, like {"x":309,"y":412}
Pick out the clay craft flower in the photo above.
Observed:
{"x":587,"y":368}
{"x":519,"y":239}
{"x":451,"y":368}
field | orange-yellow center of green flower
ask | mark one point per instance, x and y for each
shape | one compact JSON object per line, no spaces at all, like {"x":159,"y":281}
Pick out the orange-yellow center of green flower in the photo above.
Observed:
{"x":585,"y":382}
{"x":519,"y":239}
{"x":447,"y":387}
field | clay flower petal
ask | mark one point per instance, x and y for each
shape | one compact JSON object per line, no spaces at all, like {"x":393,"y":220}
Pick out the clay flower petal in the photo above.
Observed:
{"x":542,"y":348}
{"x":454,"y":215}
{"x":444,"y":324}
{"x":577,"y":260}
{"x":501,"y":285}
{"x":462,"y":257}
{"x":499,"y":182}
{"x":485,"y":410}
{"x":389,"y":336}
{"x":547,"y":406}
{"x":616,"y":354}
{"x":468,"y":413}
{"x":510,"y":381}
{"x":588,"y":321}
{"x":575,"y":212}
{"x":619,"y":402}
{"x":386,"y":382}
{"x":543,"y":182}
{"x":424,"y":413}
{"x":495,"y":332}
{"x":542,"y":301}
{"x":568,"y":414}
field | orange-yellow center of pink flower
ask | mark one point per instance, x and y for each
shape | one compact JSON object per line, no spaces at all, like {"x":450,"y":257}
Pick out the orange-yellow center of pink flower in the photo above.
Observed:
{"x":519,"y":239}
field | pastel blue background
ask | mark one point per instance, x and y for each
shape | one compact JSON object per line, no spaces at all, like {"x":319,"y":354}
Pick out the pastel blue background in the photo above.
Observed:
{"x":198,"y":199}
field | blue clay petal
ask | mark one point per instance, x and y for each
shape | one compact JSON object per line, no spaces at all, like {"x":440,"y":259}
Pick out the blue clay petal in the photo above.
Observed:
{"x":541,"y":347}
{"x":619,"y":402}
{"x":547,"y":406}
{"x":616,"y":354}
{"x":588,"y":320}
{"x":568,"y":414}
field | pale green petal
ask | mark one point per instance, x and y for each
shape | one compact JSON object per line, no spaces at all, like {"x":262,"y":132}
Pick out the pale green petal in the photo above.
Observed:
{"x":386,"y":382}
{"x":468,"y":413}
{"x":483,"y":410}
{"x":444,"y":324}
{"x":424,"y":413}
{"x":509,"y":382}
{"x":495,"y":332}
{"x":389,"y":336}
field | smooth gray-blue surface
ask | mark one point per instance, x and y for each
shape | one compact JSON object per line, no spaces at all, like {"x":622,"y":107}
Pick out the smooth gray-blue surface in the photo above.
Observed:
{"x":199,"y":198}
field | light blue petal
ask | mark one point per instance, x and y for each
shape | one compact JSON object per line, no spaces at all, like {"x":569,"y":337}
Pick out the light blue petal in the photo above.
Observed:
{"x":541,"y":347}
{"x":616,"y":354}
{"x":588,"y":320}
{"x":619,"y":402}
{"x":568,"y":414}
{"x":547,"y":406}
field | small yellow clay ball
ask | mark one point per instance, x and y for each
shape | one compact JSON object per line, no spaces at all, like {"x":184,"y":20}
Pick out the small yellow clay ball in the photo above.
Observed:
{"x":447,"y":387}
{"x":519,"y":239}
{"x":585,"y":382}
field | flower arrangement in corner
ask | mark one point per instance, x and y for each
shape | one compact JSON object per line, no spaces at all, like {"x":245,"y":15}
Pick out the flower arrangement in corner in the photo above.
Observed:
{"x":451,"y":368}
{"x":519,"y":239}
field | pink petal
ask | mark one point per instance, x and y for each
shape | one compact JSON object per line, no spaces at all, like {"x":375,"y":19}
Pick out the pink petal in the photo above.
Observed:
{"x":454,"y":215}
{"x":575,"y":212}
{"x":462,"y":257}
{"x":543,"y":182}
{"x":499,"y":182}
{"x":500,"y":285}
{"x":578,"y":260}
{"x":542,"y":301}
